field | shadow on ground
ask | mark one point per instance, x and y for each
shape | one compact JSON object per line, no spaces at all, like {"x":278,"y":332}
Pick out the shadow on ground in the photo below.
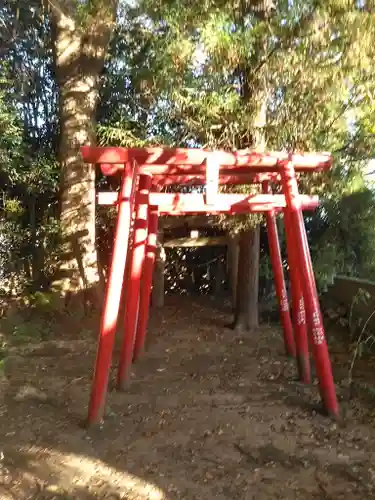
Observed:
{"x":209,"y":415}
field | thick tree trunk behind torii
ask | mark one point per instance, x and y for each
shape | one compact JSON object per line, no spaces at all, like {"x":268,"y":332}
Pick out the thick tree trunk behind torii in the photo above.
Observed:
{"x":247,"y":303}
{"x":158,"y":284}
{"x":80,"y":47}
{"x":232,"y":266}
{"x":253,"y":89}
{"x":246,"y":315}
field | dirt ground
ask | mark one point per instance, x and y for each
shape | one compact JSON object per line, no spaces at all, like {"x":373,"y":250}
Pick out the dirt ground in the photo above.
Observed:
{"x":208,"y":415}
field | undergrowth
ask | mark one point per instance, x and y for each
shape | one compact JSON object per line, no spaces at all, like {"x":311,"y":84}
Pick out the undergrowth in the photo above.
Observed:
{"x":40,"y":317}
{"x":361,"y":335}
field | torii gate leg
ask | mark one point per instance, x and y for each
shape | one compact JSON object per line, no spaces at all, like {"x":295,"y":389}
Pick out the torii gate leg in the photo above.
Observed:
{"x":298,"y":306}
{"x":112,"y":298}
{"x":146,"y":285}
{"x":132,"y":291}
{"x":307,"y":280}
{"x":277,"y":266}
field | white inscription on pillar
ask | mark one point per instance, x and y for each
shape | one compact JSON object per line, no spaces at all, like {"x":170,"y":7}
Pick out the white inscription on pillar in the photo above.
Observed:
{"x":284,"y":301}
{"x":315,"y":319}
{"x":318,"y":336}
{"x":301,"y":316}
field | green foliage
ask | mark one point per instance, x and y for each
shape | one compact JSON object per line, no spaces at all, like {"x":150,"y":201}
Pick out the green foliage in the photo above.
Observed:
{"x":117,"y":135}
{"x":345,"y":240}
{"x":28,"y":204}
{"x":10,"y":138}
{"x":13,"y":208}
{"x":328,"y":260}
{"x":29,"y":172}
{"x":42,"y":177}
{"x":197,"y":74}
{"x":88,"y":12}
{"x":19,"y":330}
{"x":215,"y":66}
{"x":365,"y":340}
{"x":240,"y":223}
{"x":308,"y":59}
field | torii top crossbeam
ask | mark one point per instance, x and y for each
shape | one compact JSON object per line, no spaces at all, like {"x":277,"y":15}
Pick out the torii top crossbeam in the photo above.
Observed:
{"x":192,"y":162}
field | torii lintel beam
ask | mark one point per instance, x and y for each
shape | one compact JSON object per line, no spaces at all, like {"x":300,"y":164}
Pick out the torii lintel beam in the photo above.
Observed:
{"x":181,"y":203}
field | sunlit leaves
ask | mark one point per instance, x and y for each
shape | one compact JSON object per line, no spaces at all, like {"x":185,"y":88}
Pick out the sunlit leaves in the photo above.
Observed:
{"x":10,"y":140}
{"x":118,"y":135}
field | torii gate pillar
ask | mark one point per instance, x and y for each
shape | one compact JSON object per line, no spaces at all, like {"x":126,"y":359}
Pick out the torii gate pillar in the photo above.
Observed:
{"x":307,"y":281}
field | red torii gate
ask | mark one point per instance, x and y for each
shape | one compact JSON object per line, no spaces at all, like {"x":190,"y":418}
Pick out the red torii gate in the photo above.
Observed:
{"x":131,"y":270}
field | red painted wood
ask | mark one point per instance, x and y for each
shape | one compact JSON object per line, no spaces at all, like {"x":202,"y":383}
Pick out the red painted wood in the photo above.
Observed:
{"x":198,"y":170}
{"x":212,"y":179}
{"x":112,"y":300}
{"x":181,"y":203}
{"x":224,"y":178}
{"x":298,"y":306}
{"x":189,"y":161}
{"x":278,"y":272}
{"x":132,"y":291}
{"x":171,"y":166}
{"x":307,"y":279}
{"x":146,"y":285}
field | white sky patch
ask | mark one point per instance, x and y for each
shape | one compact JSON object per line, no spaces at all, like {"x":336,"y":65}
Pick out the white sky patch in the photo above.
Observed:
{"x":200,"y":57}
{"x":370,"y":171}
{"x":129,"y":3}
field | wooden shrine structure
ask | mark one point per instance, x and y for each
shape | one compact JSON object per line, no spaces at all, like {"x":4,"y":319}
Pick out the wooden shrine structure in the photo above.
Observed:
{"x":140,"y":203}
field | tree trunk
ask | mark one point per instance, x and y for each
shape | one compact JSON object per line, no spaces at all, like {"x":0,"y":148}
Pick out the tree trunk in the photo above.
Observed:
{"x":247,"y":297}
{"x":247,"y":310}
{"x":158,"y":280}
{"x":232,"y":263}
{"x":35,"y":268}
{"x":79,"y":53}
{"x":219,"y":278}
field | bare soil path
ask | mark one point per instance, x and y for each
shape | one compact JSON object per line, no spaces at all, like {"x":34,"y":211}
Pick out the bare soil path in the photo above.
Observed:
{"x":208,"y":415}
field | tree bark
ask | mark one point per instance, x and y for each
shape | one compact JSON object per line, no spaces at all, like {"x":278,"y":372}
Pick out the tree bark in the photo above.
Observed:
{"x":35,"y":268}
{"x":247,"y":304}
{"x":232,"y":262}
{"x":219,"y":278}
{"x":247,"y":296}
{"x":79,"y":53}
{"x":158,"y":281}
{"x":253,"y":88}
